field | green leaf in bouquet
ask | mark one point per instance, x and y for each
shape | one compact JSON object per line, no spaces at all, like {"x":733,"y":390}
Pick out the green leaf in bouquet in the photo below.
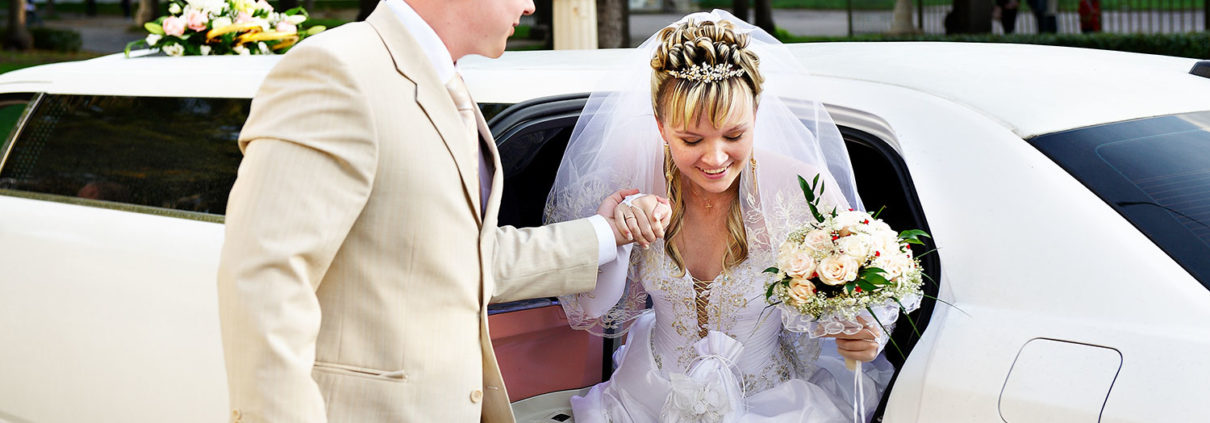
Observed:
{"x":866,"y":285}
{"x":315,"y":30}
{"x":772,"y":270}
{"x":876,"y":279}
{"x":132,"y":44}
{"x":154,"y":28}
{"x":807,"y":191}
{"x":849,"y":287}
{"x":946,"y":303}
{"x":872,"y":271}
{"x":913,"y":234}
{"x":769,"y":292}
{"x":296,"y":11}
{"x":879,"y":212}
{"x":885,"y":331}
{"x":907,"y":317}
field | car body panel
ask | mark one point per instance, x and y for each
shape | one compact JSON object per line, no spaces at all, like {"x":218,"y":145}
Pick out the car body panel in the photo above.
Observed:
{"x":1027,"y":251}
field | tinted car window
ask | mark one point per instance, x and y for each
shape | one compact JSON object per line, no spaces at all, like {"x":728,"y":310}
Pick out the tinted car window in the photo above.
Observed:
{"x":10,"y":113}
{"x":163,"y":153}
{"x":1155,"y":172}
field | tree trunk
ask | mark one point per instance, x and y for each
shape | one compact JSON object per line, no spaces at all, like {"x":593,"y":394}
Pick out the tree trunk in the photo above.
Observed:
{"x":18,"y":35}
{"x":148,"y":11}
{"x":284,"y":5}
{"x":365,"y":7}
{"x":739,"y":8}
{"x":49,"y":10}
{"x":764,"y":16}
{"x":613,"y":24}
{"x":309,"y":5}
{"x":90,"y":7}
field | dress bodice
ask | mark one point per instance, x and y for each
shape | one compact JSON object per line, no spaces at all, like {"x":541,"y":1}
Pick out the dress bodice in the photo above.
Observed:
{"x":734,"y":305}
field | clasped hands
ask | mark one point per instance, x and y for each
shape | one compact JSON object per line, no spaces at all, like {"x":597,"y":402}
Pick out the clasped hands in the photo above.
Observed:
{"x":642,"y":222}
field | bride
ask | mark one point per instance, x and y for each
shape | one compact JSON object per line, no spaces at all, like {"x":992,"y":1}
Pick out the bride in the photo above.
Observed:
{"x":716,"y":115}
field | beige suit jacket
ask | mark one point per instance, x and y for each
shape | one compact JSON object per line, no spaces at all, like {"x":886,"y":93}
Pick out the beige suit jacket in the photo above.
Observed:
{"x":356,"y":271}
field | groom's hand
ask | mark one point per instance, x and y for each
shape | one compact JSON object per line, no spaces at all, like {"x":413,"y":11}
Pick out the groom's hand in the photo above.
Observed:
{"x":621,"y":234}
{"x":647,"y":215}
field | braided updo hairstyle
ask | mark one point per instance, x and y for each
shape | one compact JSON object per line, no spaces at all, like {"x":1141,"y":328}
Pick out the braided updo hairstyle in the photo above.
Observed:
{"x":679,"y":99}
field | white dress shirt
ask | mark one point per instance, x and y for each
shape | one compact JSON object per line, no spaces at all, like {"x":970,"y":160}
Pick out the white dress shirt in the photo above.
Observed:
{"x":439,"y":56}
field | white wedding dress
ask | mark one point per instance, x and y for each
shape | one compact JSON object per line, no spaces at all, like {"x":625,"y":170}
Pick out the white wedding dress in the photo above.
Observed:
{"x":746,"y":369}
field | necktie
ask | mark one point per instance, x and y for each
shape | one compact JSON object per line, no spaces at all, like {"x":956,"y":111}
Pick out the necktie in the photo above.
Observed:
{"x":466,"y":111}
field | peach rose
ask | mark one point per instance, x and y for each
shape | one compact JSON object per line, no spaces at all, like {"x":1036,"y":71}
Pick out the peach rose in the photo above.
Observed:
{"x":801,"y":290}
{"x":801,"y":264}
{"x":818,"y":240}
{"x":174,"y":26}
{"x":838,"y":269}
{"x":286,"y":27}
{"x":196,"y":20}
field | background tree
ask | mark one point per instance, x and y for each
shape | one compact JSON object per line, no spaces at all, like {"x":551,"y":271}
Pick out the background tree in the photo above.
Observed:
{"x":739,"y":8}
{"x":365,"y":7}
{"x":90,"y":7}
{"x":764,"y":16}
{"x":613,"y":23}
{"x":148,"y":11}
{"x":17,"y":36}
{"x":284,"y":5}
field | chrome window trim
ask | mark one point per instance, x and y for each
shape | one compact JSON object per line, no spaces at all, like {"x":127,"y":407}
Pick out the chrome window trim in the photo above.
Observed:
{"x":8,"y":144}
{"x":131,"y":208}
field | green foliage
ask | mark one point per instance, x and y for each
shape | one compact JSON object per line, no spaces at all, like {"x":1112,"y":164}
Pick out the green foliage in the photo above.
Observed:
{"x":61,"y":40}
{"x":1191,"y":44}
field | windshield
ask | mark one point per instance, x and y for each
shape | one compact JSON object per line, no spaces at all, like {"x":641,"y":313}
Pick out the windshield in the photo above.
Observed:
{"x":1155,"y":172}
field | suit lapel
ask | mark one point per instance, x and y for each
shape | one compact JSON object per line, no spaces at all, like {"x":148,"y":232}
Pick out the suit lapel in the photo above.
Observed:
{"x":432,"y":97}
{"x":493,"y":157}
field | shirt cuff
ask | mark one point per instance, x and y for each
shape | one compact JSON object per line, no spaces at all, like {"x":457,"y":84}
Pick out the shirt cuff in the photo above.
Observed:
{"x":607,"y":246}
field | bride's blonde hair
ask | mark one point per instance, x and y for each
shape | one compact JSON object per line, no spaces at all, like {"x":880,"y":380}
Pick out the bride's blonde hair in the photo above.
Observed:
{"x":702,"y":70}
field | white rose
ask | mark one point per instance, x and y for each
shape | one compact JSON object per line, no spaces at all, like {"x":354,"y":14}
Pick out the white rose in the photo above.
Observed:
{"x":818,"y":240}
{"x":296,"y":19}
{"x":895,"y":265}
{"x":801,"y":290}
{"x":152,"y":39}
{"x":241,"y":50}
{"x":848,"y":222}
{"x":837,"y":270}
{"x":879,"y":226}
{"x":174,"y":50}
{"x":174,"y":9}
{"x":220,"y":22}
{"x":205,"y":50}
{"x":859,"y":246}
{"x":264,"y":48}
{"x":801,"y":264}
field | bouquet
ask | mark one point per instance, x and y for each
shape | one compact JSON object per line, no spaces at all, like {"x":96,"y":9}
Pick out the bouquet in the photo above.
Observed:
{"x":216,"y":27}
{"x":844,"y":266}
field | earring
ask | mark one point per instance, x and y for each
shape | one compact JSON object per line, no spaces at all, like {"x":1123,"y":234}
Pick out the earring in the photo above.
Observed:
{"x":667,"y":163}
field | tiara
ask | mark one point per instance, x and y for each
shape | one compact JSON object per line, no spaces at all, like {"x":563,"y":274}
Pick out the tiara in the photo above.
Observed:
{"x":706,"y":73}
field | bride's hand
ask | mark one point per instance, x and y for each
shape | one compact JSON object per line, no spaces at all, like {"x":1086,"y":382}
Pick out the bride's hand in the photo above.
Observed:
{"x":861,"y":346}
{"x":608,"y":208}
{"x":646,"y":216}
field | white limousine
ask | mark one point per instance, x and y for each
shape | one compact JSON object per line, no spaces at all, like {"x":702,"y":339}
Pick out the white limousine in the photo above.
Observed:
{"x":1068,"y":192}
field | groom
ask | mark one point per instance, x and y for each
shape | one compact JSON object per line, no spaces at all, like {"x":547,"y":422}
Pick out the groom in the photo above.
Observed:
{"x":361,"y":241}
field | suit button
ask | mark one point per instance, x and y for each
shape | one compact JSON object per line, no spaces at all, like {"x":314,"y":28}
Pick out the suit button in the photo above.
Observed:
{"x":476,"y":396}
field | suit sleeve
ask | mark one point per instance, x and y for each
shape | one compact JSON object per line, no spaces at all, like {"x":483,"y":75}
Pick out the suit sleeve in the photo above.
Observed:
{"x":551,"y":260}
{"x":309,"y":162}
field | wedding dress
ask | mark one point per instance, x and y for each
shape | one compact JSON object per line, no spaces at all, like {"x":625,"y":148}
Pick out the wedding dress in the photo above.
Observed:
{"x":717,"y":354}
{"x":746,"y":369}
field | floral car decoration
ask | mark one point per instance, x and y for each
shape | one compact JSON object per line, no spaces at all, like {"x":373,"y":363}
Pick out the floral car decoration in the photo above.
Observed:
{"x":218,"y":27}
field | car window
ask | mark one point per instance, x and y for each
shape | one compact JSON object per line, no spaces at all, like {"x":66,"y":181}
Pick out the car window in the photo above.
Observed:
{"x":11,"y":107}
{"x":1155,"y":172}
{"x":155,"y":153}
